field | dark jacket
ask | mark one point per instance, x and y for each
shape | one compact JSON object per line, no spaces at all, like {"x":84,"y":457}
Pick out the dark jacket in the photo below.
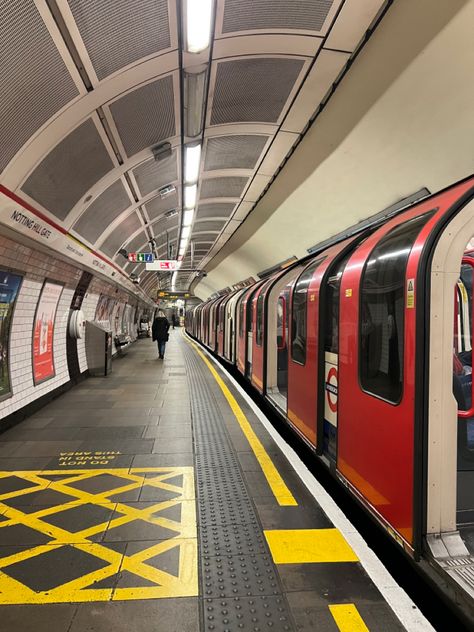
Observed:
{"x":160,"y":328}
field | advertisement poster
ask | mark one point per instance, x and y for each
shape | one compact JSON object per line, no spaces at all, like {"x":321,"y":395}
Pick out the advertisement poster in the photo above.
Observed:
{"x":43,"y":332}
{"x":102,"y":310}
{"x":9,"y":286}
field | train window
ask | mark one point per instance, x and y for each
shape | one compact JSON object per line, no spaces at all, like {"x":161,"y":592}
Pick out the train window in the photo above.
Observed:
{"x":259,"y":328}
{"x":298,"y":311}
{"x":280,"y":323}
{"x":382,"y":308}
{"x":241,"y":318}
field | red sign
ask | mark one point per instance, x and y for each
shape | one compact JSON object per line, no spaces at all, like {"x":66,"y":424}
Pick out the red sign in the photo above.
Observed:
{"x":43,"y":332}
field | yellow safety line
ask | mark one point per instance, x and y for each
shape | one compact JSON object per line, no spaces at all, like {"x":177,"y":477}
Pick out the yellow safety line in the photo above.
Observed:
{"x":347,"y":618}
{"x":278,"y":486}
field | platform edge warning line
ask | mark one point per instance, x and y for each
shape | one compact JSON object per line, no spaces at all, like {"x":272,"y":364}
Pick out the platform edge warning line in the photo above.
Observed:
{"x":347,"y":618}
{"x":283,"y":495}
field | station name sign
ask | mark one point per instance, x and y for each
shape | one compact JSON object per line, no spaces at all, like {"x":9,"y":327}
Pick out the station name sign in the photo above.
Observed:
{"x":164,"y":265}
{"x":141,"y":257}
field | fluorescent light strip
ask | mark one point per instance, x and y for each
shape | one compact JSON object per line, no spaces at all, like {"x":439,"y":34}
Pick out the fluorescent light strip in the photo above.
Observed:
{"x":173,"y":280}
{"x":190,"y":193}
{"x":185,"y":232}
{"x":188,"y":217}
{"x":198,"y":24}
{"x":192,"y":161}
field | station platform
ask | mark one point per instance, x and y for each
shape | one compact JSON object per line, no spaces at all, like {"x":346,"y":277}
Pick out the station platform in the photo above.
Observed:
{"x":157,"y":500}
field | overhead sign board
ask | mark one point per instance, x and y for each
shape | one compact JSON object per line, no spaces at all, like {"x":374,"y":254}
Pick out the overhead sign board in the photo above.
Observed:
{"x":173,"y":295}
{"x":141,"y":257}
{"x":164,"y":265}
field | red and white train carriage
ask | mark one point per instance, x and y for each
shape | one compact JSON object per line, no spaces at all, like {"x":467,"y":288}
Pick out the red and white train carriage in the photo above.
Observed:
{"x":354,"y":347}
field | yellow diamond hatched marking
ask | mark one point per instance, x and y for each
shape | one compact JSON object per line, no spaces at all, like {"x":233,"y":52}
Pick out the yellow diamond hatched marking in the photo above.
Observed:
{"x":28,"y":578}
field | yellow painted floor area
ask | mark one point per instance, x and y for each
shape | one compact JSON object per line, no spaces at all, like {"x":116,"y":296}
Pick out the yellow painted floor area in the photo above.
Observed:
{"x":176,"y":484}
{"x":304,"y":546}
{"x":347,"y":618}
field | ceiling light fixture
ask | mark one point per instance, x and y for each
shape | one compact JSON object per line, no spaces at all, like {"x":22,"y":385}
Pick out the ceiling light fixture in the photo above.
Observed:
{"x":198,"y":24}
{"x":190,"y":193}
{"x":173,"y":280}
{"x":188,"y":217}
{"x":171,"y":213}
{"x":192,"y":161}
{"x":185,"y":232}
{"x":194,"y":96}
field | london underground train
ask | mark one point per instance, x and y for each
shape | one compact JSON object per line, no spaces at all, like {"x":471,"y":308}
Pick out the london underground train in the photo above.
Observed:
{"x":365,"y":350}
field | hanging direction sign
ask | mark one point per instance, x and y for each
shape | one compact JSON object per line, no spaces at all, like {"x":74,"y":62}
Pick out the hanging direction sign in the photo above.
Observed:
{"x":164,"y":265}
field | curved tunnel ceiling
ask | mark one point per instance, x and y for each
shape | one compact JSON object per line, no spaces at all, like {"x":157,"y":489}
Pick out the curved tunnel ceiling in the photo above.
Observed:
{"x":88,"y":88}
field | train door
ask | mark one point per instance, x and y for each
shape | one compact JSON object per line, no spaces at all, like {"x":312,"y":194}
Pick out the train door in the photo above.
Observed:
{"x":221,"y":325}
{"x":303,"y":357}
{"x":277,"y":323}
{"x":463,"y":391}
{"x":377,"y":354}
{"x":329,"y":335}
{"x":282,"y":345}
{"x":258,"y":351}
{"x":249,"y":328}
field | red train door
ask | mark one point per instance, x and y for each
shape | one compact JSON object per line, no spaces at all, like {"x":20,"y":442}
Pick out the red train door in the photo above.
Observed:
{"x":221,"y":326}
{"x":302,"y":364}
{"x":258,"y":352}
{"x":376,"y":397}
{"x":282,"y":344}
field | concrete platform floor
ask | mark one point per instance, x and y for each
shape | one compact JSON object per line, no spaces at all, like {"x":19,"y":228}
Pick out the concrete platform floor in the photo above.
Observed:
{"x":151,"y":501}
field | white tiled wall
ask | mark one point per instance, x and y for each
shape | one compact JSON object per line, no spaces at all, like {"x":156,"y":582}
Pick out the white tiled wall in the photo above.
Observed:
{"x":35,"y":267}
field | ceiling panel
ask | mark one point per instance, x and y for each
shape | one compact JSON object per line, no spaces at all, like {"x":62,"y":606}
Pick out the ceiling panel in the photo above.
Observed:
{"x":214,"y":210}
{"x":34,"y":80}
{"x":119,"y":32}
{"x":69,"y":170}
{"x":234,"y":152}
{"x":229,"y":187}
{"x":352,"y":23}
{"x":254,"y":89}
{"x":116,"y":238}
{"x":102,"y":212}
{"x":165,"y":224}
{"x":204,"y":237}
{"x":319,"y":80}
{"x":145,"y":116}
{"x":152,"y":174}
{"x":158,"y":205}
{"x":249,"y":15}
{"x":207,"y":225}
{"x":137,"y":242}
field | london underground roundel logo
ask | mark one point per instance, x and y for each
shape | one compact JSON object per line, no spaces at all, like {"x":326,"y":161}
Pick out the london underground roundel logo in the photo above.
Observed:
{"x":331,"y":389}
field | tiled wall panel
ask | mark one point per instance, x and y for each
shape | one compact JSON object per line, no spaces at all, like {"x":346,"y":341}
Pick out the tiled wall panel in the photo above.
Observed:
{"x":35,"y":267}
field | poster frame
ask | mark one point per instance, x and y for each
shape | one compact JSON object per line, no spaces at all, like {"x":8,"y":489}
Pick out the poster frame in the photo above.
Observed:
{"x":8,"y":270}
{"x":53,"y":375}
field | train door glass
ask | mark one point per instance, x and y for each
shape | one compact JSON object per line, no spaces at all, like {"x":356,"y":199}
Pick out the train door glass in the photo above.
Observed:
{"x":462,"y":388}
{"x":331,"y":358}
{"x":282,"y":347}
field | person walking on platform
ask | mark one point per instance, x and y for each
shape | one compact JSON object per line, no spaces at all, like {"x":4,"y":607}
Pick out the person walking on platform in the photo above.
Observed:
{"x":174,"y":320}
{"x":159,"y":332}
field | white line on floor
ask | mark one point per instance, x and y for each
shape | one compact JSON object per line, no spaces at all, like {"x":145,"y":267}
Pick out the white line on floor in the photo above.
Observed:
{"x":401,"y":604}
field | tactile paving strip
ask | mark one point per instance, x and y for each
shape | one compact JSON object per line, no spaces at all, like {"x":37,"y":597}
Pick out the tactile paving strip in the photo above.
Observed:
{"x":240,"y":587}
{"x":247,"y":613}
